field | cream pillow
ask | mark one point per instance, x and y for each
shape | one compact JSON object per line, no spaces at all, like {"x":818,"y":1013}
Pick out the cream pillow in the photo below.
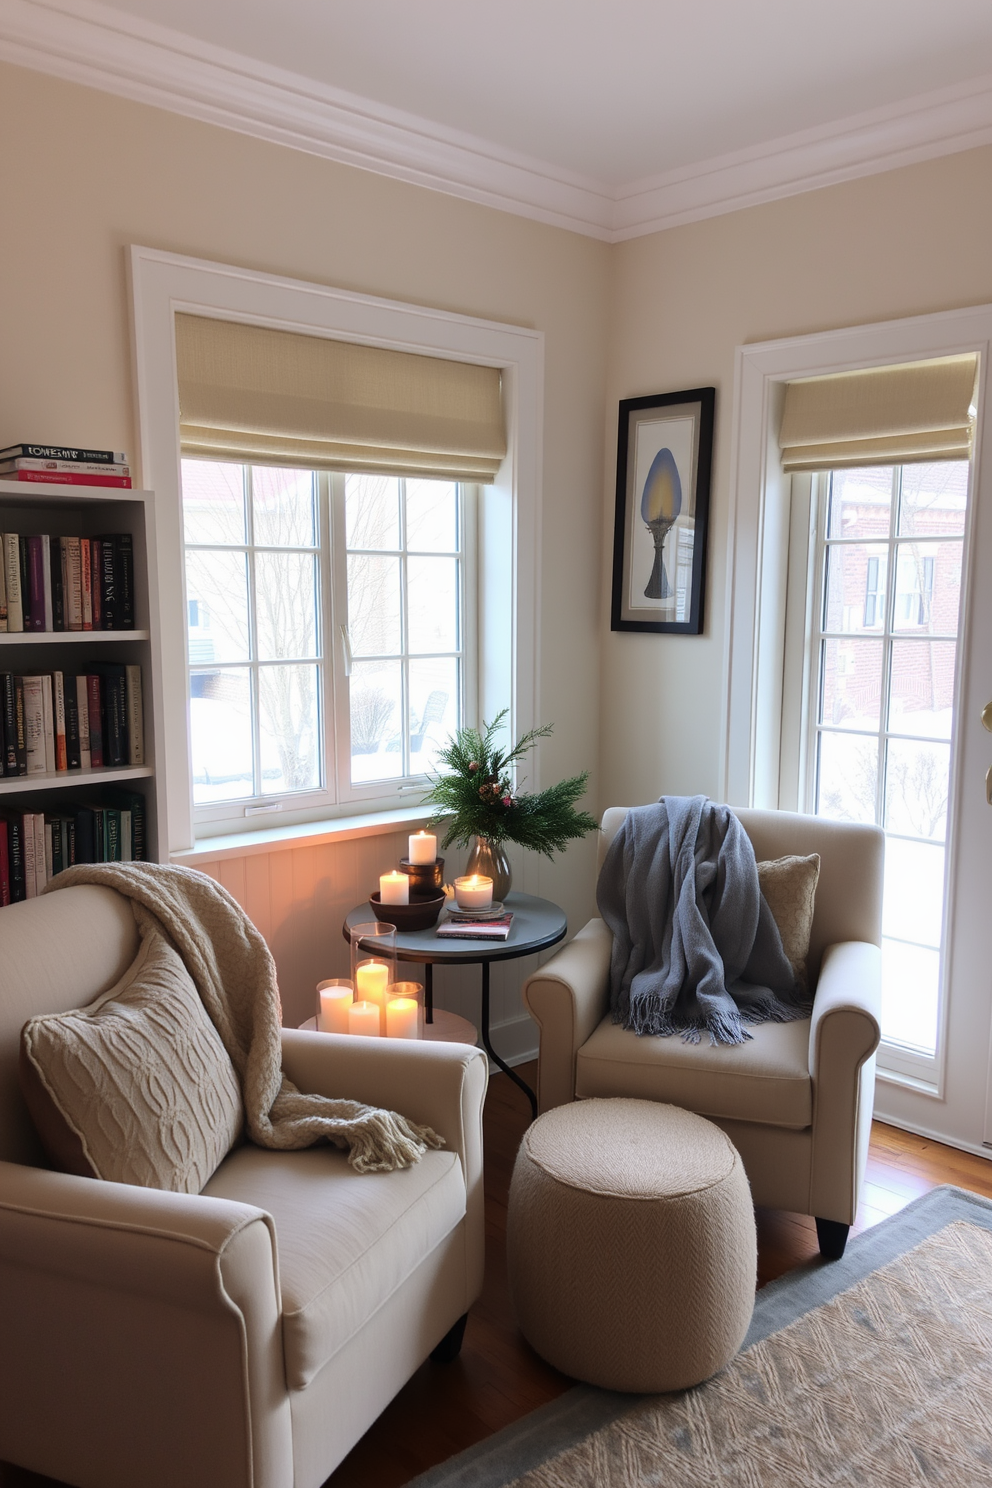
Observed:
{"x":789,"y":885}
{"x":137,"y":1087}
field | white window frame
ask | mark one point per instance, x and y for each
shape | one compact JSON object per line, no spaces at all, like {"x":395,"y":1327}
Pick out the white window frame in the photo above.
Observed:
{"x":164,"y":284}
{"x":335,"y":789}
{"x":763,"y":662}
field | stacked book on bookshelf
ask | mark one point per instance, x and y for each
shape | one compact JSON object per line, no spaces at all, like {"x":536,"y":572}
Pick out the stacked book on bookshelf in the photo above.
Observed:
{"x":67,"y":583}
{"x":63,"y":465}
{"x":67,"y":721}
{"x":36,"y":845}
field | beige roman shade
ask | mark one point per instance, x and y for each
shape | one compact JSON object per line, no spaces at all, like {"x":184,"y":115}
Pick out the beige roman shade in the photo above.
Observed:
{"x":263,"y":396}
{"x":880,"y":416}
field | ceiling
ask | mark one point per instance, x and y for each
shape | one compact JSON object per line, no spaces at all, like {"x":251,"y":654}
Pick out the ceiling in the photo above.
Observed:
{"x":561,"y":108}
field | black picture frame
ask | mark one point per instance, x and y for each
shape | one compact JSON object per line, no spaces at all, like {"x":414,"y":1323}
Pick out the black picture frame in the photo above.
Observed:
{"x":664,"y":465}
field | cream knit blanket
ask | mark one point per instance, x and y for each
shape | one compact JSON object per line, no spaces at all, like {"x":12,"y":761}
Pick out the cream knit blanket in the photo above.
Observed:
{"x":235,"y":976}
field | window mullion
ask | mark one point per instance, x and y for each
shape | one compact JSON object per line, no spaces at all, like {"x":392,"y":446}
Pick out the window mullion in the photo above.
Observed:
{"x":404,"y":638}
{"x":254,"y":680}
{"x":887,"y":631}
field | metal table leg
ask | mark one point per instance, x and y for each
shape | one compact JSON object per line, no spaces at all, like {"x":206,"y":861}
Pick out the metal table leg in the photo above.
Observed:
{"x":429,"y":992}
{"x":487,"y":1044}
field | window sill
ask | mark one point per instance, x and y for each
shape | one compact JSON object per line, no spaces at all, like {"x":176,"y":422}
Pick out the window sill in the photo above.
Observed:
{"x":302,"y":834}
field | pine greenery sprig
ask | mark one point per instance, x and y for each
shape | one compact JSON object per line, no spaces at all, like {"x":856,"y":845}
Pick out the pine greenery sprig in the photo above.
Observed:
{"x":477,"y":798}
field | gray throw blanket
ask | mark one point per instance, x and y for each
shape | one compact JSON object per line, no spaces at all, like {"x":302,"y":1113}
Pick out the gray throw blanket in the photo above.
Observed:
{"x":694,"y":943}
{"x":235,"y":975}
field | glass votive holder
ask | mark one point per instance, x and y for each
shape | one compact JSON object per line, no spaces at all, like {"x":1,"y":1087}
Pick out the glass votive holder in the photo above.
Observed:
{"x":373,"y":962}
{"x":334,"y":998}
{"x":405,"y":1011}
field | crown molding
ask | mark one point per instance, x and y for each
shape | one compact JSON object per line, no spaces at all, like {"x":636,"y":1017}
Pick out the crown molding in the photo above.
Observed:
{"x":922,"y":128}
{"x":83,"y":41}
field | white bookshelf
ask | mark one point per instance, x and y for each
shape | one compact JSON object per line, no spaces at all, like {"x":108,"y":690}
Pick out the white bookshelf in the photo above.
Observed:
{"x":86,"y":511}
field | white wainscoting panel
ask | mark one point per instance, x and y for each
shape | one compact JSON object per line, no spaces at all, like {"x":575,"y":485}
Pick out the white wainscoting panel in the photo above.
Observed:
{"x":298,"y":898}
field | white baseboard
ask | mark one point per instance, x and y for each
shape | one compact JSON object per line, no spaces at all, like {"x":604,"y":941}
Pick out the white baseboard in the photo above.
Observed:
{"x":977,"y":1148}
{"x":514,"y":1040}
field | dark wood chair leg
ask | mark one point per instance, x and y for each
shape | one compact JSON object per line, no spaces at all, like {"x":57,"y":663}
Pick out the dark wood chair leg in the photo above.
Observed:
{"x":450,"y":1346}
{"x":832,"y":1236}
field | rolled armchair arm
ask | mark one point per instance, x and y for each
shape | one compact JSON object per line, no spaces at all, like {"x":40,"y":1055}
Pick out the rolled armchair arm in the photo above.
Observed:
{"x":150,"y":1323}
{"x":567,"y":998}
{"x":845,"y":1029}
{"x":437,"y":1084}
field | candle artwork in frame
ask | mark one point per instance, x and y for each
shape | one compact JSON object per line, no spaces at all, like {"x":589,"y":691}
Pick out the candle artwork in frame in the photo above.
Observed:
{"x":664,"y":459}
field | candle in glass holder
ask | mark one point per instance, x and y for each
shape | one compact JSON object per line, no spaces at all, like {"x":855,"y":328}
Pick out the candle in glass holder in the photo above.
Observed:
{"x":363,"y":1018}
{"x":371,"y":981}
{"x":403,"y":1018}
{"x":474,"y":892}
{"x":423,"y":847}
{"x":394,"y":888}
{"x":336,"y":998}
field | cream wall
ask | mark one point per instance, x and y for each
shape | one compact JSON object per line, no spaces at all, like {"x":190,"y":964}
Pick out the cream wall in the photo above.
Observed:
{"x":83,"y":174}
{"x":904,"y":243}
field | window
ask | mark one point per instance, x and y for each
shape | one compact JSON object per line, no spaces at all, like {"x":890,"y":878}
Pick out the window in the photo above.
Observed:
{"x":330,"y":640}
{"x":882,"y":703}
{"x":506,"y":617}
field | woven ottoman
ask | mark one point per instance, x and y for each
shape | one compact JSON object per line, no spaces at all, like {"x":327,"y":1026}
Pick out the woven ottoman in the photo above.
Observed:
{"x":631,"y":1244}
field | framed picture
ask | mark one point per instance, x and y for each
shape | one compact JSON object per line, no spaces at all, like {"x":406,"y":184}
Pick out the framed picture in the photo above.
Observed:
{"x":664,"y":457}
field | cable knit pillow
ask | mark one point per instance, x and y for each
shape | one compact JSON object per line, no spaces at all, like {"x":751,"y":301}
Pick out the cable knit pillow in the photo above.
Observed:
{"x":137,"y":1087}
{"x":789,"y":885}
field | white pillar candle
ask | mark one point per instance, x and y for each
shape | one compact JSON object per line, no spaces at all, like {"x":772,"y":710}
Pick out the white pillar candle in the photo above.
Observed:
{"x":371,"y":981}
{"x":403,"y":1018}
{"x":423,"y":847}
{"x":474,"y":892}
{"x":335,"y":999}
{"x":394,"y":888}
{"x":363,"y":1018}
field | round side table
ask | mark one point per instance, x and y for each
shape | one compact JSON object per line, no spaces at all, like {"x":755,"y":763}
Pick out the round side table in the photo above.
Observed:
{"x":537,"y":924}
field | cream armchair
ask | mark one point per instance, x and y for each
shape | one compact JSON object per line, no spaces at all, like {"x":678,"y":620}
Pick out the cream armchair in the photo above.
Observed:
{"x":247,"y":1336}
{"x":797,"y":1099}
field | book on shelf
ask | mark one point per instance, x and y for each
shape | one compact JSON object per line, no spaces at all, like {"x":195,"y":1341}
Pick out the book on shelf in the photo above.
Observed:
{"x":35,"y":846}
{"x":66,"y":467}
{"x":113,"y":711}
{"x":34,"y":724}
{"x":3,"y":590}
{"x":58,"y":721}
{"x":86,"y":583}
{"x":12,"y":575}
{"x":53,"y":722}
{"x":53,"y":583}
{"x":66,"y":453}
{"x":34,"y":618}
{"x":66,"y":478}
{"x":14,"y":824}
{"x":83,"y":721}
{"x":135,"y":716}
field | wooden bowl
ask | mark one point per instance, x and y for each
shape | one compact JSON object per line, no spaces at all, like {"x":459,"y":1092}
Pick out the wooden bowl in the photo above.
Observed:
{"x":420,"y":914}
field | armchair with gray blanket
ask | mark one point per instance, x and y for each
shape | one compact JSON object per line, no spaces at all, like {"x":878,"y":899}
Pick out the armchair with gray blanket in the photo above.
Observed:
{"x":796,"y":1098}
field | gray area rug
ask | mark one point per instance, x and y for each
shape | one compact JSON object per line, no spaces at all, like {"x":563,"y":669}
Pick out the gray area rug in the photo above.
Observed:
{"x":875,"y":1370}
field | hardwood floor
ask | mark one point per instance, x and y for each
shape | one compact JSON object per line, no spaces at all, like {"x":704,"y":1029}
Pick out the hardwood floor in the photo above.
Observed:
{"x":497,"y":1378}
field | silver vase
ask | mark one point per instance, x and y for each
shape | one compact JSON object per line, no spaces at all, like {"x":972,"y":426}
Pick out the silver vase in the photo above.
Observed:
{"x":490,"y":861}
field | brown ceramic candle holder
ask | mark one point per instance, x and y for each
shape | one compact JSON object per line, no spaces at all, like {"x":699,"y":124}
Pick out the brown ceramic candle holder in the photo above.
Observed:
{"x":425,"y":878}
